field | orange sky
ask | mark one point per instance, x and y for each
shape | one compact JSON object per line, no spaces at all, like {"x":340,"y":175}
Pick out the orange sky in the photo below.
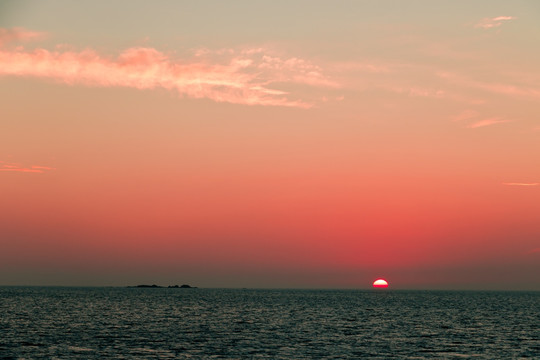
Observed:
{"x":270,"y":145}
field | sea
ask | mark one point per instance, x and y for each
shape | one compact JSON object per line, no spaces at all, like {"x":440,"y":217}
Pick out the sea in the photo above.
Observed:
{"x":163,"y":323}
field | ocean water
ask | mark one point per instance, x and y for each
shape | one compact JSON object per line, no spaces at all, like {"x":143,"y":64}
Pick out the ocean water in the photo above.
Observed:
{"x":134,"y":323}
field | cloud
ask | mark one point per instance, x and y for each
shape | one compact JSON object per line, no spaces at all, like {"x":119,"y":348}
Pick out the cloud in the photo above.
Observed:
{"x":511,"y":90}
{"x":486,"y":122}
{"x":489,"y":23}
{"x":523,"y":92}
{"x":228,"y":75}
{"x":422,"y":92}
{"x":367,"y":67}
{"x":534,"y":251}
{"x":16,"y":167}
{"x":36,"y":167}
{"x":17,"y":35}
{"x":471,"y":116}
{"x":466,"y":115}
{"x":295,"y":70}
{"x":520,"y":184}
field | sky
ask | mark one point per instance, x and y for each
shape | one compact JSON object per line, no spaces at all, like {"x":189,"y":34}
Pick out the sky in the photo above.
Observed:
{"x":303,"y":144}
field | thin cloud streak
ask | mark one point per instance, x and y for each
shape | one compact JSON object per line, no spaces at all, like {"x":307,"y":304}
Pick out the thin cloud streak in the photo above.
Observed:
{"x":15,"y":167}
{"x":42,"y":167}
{"x":420,"y":92}
{"x":466,"y":115}
{"x":520,"y":184}
{"x":23,"y":170}
{"x":489,"y":23}
{"x":486,"y":122}
{"x":17,"y":35}
{"x":524,"y":92}
{"x":241,"y":78}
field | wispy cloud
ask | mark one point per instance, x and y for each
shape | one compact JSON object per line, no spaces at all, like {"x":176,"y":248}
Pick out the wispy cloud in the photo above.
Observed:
{"x":534,"y":251}
{"x":520,"y":184}
{"x":293,"y":69}
{"x":508,"y":89}
{"x":16,"y":167}
{"x":422,"y":92}
{"x":487,"y":122}
{"x":367,"y":67}
{"x":524,"y":92}
{"x":489,"y":23}
{"x":234,"y":76}
{"x":474,"y":120}
{"x":17,"y":35}
{"x":466,"y":115}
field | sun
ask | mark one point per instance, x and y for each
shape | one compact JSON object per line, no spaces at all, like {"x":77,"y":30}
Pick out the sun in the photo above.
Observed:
{"x":380,"y":283}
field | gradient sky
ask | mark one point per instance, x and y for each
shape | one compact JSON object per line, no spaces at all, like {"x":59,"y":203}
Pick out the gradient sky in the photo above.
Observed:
{"x":308,"y":144}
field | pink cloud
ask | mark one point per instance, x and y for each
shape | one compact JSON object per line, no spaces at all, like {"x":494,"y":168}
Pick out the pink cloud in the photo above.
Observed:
{"x":489,"y":23}
{"x":414,"y":91}
{"x":511,"y":90}
{"x":240,"y":77}
{"x":486,"y":122}
{"x":15,"y":167}
{"x":466,"y":115}
{"x":18,"y":34}
{"x":520,"y":184}
{"x":472,"y":116}
{"x":431,"y":93}
{"x":23,"y":170}
{"x":526,"y":92}
{"x":295,"y":70}
{"x":37,"y":167}
{"x":367,"y":67}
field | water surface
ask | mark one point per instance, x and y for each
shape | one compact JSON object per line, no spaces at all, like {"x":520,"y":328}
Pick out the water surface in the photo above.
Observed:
{"x":134,"y":323}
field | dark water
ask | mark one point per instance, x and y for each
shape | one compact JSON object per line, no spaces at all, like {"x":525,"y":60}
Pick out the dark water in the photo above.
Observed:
{"x":103,"y":323}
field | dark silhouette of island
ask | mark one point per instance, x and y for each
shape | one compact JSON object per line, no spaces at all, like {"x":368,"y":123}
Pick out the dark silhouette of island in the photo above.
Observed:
{"x":154,"y":286}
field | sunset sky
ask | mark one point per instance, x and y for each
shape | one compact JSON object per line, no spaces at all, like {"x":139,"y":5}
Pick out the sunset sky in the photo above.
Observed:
{"x":278,"y":144}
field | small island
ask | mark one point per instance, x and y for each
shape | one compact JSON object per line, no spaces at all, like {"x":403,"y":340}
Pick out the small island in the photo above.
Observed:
{"x":154,"y":286}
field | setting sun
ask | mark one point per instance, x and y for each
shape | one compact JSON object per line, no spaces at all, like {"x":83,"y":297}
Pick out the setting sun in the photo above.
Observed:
{"x":380,"y":283}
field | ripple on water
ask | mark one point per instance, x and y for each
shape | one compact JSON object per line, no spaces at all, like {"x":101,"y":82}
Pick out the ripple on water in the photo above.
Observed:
{"x":101,"y":323}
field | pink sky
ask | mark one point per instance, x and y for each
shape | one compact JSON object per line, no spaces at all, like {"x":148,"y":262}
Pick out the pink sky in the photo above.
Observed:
{"x":343,"y":145}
